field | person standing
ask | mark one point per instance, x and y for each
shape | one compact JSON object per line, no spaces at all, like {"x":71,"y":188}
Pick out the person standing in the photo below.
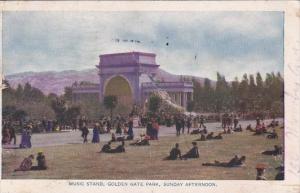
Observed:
{"x":155,"y":127}
{"x":130,"y":129}
{"x":235,"y":122}
{"x":85,"y":132}
{"x":96,"y":132}
{"x":182,"y":124}
{"x":177,"y":125}
{"x":189,"y":124}
{"x":201,"y":121}
{"x":13,"y":135}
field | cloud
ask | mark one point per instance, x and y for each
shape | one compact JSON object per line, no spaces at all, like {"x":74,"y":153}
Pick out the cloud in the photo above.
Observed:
{"x":229,"y":42}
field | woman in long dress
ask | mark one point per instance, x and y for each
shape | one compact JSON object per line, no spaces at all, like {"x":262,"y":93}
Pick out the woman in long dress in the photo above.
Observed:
{"x":96,"y":132}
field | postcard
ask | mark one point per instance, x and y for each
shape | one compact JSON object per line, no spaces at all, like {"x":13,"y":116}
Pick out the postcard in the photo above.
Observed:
{"x":150,"y":96}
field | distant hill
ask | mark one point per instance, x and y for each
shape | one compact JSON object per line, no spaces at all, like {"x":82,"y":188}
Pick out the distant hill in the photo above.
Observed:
{"x":55,"y":82}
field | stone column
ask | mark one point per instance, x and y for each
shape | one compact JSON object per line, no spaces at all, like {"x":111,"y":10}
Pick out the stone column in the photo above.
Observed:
{"x":181,"y":99}
{"x":185,"y":99}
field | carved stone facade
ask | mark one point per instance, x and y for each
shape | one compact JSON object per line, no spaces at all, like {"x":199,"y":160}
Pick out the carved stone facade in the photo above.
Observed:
{"x":132,"y":76}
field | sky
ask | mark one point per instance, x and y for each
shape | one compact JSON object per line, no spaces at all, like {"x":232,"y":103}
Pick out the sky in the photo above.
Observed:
{"x":188,"y":43}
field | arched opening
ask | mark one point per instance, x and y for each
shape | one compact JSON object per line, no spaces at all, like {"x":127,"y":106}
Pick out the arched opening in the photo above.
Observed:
{"x":119,"y":87}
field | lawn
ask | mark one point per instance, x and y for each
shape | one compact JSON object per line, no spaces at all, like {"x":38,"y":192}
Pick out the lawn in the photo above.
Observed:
{"x":82,"y":161}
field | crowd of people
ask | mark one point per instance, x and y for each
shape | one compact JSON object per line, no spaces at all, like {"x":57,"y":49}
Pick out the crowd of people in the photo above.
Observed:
{"x":121,"y":130}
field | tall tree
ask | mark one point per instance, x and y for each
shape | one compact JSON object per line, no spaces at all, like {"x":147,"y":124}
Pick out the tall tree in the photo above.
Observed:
{"x":110,"y":102}
{"x":154,"y":103}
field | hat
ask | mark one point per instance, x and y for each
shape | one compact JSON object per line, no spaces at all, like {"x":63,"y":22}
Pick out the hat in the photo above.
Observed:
{"x":261,"y":166}
{"x":40,"y":151}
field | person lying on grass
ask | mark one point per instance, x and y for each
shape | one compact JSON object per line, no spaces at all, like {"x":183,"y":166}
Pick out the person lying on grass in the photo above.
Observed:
{"x":175,"y":153}
{"x":144,"y":140}
{"x":106,"y":148}
{"x":193,"y":153}
{"x":118,"y":149}
{"x":277,"y":151}
{"x":211,"y":136}
{"x":234,"y":162}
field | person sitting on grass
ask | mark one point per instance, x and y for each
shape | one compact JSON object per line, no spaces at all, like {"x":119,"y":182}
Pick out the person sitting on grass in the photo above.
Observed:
{"x":260,"y":169}
{"x":277,"y":151}
{"x":175,"y":153}
{"x":119,"y":149}
{"x":272,"y":135}
{"x":41,"y":162}
{"x":202,"y":138}
{"x":143,"y":141}
{"x":106,"y":148}
{"x":260,"y":129}
{"x":204,"y":130}
{"x":26,"y":164}
{"x":234,"y":162}
{"x":238,"y":129}
{"x":113,"y":137}
{"x":193,"y":153}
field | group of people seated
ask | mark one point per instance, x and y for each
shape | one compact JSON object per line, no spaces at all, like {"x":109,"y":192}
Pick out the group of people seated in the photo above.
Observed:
{"x":26,"y":164}
{"x":107,"y":148}
{"x":144,"y":140}
{"x":210,"y":136}
{"x":234,"y":162}
{"x":175,"y":153}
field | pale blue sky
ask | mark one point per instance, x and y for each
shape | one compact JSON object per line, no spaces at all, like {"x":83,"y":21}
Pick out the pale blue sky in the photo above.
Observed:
{"x":200,"y":43}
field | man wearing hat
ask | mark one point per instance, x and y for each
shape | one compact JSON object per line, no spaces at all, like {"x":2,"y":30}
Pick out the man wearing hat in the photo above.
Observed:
{"x":41,"y":160}
{"x":193,"y":153}
{"x":260,"y":168}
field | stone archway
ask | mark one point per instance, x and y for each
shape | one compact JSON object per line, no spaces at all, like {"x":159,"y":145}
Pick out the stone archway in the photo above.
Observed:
{"x":120,"y":87}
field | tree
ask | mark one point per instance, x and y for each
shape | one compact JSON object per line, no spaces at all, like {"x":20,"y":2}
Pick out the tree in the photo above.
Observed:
{"x":19,"y":115}
{"x":190,"y":106}
{"x":68,"y":93}
{"x":8,"y":111}
{"x":59,"y":109}
{"x":110,"y":102}
{"x":154,"y":103}
{"x":71,"y":114}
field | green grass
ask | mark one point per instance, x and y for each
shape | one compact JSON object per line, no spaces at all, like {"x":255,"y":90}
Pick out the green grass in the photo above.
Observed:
{"x":81,"y":161}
